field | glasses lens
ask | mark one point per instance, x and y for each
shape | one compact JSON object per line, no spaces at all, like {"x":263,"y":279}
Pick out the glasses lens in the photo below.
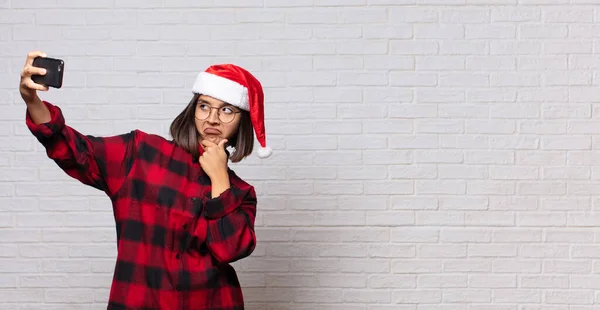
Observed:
{"x":226,"y":118}
{"x":202,"y":111}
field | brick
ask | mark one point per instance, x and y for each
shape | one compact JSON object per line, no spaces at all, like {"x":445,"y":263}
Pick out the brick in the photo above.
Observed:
{"x":547,"y":62}
{"x":342,"y":250}
{"x":249,"y":15}
{"x":340,"y":235}
{"x":491,"y":250}
{"x":543,"y":31}
{"x":468,"y":265}
{"x":516,"y":14}
{"x":398,"y":31}
{"x":490,"y":31}
{"x":442,"y":281}
{"x":465,"y":16}
{"x":432,"y":31}
{"x":414,"y":14}
{"x":518,"y":296}
{"x":363,"y":296}
{"x":463,"y":203}
{"x":66,"y":266}
{"x":468,"y":295}
{"x":516,"y":265}
{"x":571,"y":266}
{"x":440,"y":156}
{"x":391,"y":251}
{"x":417,"y":296}
{"x":517,"y":236}
{"x":349,"y":202}
{"x":414,"y":47}
{"x":580,"y":297}
{"x":339,"y":188}
{"x":463,"y":47}
{"x":21,"y":295}
{"x":450,"y":187}
{"x":508,"y":47}
{"x":69,"y":295}
{"x":577,"y":15}
{"x":437,"y":251}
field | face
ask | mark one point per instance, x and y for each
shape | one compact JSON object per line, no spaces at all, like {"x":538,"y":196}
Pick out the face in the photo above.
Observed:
{"x":215,"y":119}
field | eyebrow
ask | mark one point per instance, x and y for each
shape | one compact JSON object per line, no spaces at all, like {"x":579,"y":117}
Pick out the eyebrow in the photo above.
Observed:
{"x":225,"y":104}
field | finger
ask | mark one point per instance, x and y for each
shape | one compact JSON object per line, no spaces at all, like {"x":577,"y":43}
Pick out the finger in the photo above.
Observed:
{"x":31,"y":70}
{"x":222,"y":143}
{"x":207,"y":143}
{"x":32,"y":85}
{"x":33,"y":55}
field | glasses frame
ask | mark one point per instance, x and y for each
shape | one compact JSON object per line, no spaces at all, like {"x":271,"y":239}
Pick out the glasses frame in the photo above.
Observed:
{"x":218,"y":113}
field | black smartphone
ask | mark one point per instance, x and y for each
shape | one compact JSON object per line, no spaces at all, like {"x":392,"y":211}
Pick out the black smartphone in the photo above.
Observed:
{"x":54,"y":71}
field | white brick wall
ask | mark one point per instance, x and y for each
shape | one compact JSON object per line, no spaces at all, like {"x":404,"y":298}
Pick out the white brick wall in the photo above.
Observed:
{"x":429,"y":155}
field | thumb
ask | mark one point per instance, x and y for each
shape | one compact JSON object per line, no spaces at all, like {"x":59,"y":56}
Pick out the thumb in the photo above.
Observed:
{"x":222,"y":143}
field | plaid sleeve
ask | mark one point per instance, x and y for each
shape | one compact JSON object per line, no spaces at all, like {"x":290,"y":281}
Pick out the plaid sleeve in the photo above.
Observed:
{"x":231,"y":217}
{"x":101,"y":162}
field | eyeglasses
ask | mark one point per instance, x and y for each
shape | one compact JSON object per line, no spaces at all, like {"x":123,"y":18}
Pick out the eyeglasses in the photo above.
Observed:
{"x":226,"y":114}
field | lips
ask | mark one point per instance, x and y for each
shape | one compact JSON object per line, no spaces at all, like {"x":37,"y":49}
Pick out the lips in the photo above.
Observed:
{"x":212,"y":131}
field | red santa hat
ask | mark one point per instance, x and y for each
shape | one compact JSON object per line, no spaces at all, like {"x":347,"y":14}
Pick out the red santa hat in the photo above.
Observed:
{"x":238,"y":87}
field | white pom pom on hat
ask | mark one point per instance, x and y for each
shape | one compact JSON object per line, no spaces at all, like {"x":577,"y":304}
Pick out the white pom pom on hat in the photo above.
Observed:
{"x":238,"y":87}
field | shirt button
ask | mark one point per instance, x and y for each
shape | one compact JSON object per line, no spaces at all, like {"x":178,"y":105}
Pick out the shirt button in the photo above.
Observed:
{"x":178,"y":288}
{"x":185,"y":226}
{"x":178,"y":256}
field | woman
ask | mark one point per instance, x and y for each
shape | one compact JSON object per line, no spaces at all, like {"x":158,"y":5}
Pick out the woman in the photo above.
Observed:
{"x":182,"y":216}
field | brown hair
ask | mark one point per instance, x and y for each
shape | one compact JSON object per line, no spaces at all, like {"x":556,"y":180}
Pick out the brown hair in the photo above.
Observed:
{"x":184,"y":133}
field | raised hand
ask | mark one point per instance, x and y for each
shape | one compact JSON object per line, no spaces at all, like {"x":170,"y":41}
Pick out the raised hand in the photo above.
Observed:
{"x":27,"y":87}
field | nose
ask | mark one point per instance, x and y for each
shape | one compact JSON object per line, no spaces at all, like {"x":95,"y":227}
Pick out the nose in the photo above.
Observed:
{"x":213,"y":117}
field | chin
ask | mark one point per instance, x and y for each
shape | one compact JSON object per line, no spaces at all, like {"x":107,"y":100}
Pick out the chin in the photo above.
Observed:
{"x":213,"y":139}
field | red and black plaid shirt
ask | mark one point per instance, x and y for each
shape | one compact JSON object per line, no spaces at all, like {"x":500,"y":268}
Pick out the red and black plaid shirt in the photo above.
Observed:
{"x":174,"y":241}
